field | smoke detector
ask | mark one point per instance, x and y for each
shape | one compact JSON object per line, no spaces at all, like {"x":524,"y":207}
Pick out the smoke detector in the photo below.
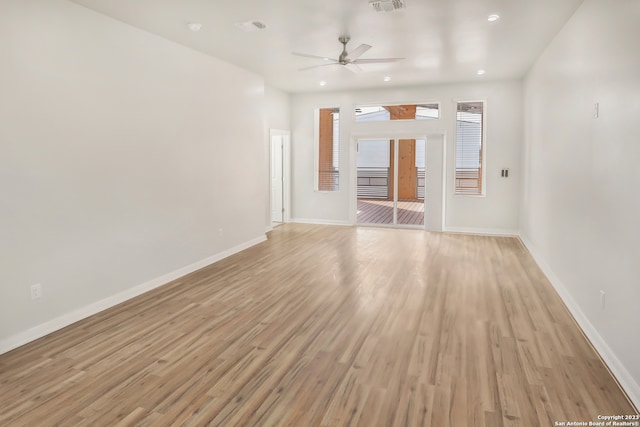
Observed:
{"x":386,"y":5}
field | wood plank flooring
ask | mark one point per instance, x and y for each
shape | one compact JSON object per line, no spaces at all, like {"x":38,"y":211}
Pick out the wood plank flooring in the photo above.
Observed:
{"x":325,"y":326}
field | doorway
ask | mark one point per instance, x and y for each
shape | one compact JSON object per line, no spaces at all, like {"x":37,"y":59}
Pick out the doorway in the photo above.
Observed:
{"x":391,"y":182}
{"x":279,"y":191}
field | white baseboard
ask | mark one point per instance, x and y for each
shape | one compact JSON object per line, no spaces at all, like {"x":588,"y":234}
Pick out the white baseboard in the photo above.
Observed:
{"x":320,"y":221}
{"x":626,"y":381}
{"x":60,"y":322}
{"x":465,"y":230}
{"x":483,"y":231}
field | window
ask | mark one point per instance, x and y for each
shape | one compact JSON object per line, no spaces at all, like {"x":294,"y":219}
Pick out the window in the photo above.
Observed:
{"x":469,"y":147}
{"x":378,"y":113}
{"x":328,"y":149}
{"x":427,"y":112}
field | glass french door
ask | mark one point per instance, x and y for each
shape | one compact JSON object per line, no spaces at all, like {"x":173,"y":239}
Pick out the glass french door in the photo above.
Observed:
{"x":390,"y":182}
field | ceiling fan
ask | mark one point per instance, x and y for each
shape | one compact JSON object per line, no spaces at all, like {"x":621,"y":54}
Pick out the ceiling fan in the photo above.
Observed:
{"x":348,"y":59}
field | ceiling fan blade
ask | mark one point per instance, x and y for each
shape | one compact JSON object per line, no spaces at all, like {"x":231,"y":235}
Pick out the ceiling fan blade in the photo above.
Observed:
{"x":316,"y":66}
{"x":376,"y":60}
{"x":357,"y":52}
{"x":325,"y":58}
{"x":353,"y":68}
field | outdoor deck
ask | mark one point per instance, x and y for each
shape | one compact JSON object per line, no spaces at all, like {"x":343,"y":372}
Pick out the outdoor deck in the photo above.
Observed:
{"x":376,"y":211}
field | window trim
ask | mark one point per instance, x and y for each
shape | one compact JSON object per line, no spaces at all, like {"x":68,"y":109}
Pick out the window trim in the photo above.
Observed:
{"x":483,"y":162}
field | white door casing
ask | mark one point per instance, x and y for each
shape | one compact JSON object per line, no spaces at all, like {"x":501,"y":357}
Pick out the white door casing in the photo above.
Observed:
{"x":277,"y":190}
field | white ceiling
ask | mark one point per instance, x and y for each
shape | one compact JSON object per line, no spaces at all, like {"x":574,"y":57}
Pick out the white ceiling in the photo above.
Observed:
{"x":441,"y":40}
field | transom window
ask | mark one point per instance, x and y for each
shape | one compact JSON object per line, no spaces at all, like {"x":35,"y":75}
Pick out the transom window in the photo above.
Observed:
{"x":378,"y":113}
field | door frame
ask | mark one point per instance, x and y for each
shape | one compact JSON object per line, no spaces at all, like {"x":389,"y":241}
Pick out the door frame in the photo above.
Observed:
{"x":435,"y":176}
{"x":286,"y":175}
{"x":353,"y":187}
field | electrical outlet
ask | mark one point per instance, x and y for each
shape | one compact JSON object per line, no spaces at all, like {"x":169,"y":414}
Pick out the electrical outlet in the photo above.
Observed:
{"x":602,"y":299}
{"x":36,"y":291}
{"x":221,"y":232}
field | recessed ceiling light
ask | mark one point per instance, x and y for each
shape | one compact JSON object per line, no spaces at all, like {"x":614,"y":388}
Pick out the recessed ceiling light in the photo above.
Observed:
{"x":387,"y":79}
{"x":481,"y":72}
{"x":493,"y":18}
{"x":194,"y":26}
{"x":323,"y":83}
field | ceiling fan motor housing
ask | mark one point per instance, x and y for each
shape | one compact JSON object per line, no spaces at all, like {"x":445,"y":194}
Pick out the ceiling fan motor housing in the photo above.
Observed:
{"x":343,"y":56}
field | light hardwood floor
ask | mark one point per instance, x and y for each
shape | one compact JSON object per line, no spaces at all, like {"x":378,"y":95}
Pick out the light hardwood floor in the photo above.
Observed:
{"x":325,"y":326}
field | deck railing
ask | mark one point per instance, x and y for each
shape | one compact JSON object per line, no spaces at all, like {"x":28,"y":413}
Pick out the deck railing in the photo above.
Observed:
{"x":329,"y":180}
{"x":373,"y":183}
{"x":468,"y":181}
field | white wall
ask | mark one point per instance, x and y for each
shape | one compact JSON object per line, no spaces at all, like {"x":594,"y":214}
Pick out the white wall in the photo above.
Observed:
{"x":497,"y":212}
{"x":580,"y":204}
{"x":117,"y":153}
{"x":278,"y":108}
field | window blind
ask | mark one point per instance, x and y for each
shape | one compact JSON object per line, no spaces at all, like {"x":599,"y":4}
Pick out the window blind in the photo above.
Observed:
{"x":469,"y":147}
